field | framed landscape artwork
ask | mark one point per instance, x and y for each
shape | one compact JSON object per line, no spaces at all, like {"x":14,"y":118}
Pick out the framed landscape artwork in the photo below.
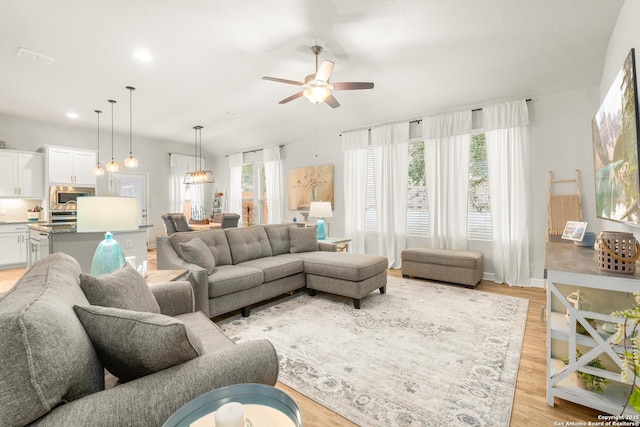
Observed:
{"x":305,"y":185}
{"x":615,"y":149}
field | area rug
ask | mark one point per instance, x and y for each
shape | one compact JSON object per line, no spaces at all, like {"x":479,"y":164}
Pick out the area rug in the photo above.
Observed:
{"x":423,"y":354}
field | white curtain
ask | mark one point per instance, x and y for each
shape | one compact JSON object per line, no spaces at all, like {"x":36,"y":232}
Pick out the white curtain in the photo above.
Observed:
{"x":179,"y":165}
{"x":273,"y":181}
{"x":506,"y":136}
{"x":235,"y":184}
{"x":390,"y":145}
{"x":447,"y":138}
{"x":354,"y":146}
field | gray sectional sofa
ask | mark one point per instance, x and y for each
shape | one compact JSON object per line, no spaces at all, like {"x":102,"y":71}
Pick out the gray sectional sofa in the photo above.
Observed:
{"x":245,"y":266}
{"x":53,"y":351}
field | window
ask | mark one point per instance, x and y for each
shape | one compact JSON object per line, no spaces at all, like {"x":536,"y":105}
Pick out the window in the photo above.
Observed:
{"x":417,"y":204}
{"x":417,"y":209}
{"x":370,"y":215}
{"x":479,"y":209}
{"x":253,"y":177}
{"x":247,"y":194}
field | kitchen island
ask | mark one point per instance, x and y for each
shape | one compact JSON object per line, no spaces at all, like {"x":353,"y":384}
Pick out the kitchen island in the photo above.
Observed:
{"x":45,"y":239}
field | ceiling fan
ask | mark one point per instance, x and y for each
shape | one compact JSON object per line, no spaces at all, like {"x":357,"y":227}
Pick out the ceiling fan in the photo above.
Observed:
{"x":318,"y":88}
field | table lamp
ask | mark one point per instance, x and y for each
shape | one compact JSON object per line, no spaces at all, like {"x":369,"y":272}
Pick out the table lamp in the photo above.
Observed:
{"x":321,"y":210}
{"x":107,"y":214}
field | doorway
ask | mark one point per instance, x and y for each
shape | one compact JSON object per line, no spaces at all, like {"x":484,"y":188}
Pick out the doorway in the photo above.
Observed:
{"x":127,"y":184}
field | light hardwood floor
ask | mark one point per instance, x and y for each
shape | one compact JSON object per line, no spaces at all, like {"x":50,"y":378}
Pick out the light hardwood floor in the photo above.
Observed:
{"x":530,"y":404}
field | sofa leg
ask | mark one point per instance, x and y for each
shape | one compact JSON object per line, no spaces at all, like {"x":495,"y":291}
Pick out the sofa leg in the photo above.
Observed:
{"x":312,"y":292}
{"x":405,"y":276}
{"x":245,"y":311}
{"x":383,"y":290}
{"x":356,"y":303}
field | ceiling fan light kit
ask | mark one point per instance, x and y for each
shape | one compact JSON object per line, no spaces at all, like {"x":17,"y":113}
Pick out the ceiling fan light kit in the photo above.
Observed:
{"x":317,"y":95}
{"x":318,"y":89}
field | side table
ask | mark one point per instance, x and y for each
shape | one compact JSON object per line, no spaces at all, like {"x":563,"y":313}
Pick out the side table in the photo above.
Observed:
{"x":263,"y":405}
{"x":153,"y":277}
{"x":342,"y":243}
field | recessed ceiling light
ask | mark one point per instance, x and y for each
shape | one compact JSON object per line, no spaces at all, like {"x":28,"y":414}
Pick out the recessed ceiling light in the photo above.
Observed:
{"x":72,"y":115}
{"x":143,"y":55}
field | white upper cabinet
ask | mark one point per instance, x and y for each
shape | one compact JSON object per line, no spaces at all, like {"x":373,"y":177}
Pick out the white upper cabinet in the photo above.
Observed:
{"x":71,"y":166}
{"x":21,"y":174}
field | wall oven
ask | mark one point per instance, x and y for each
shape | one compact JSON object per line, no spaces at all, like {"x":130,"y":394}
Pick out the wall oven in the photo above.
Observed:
{"x":63,"y":202}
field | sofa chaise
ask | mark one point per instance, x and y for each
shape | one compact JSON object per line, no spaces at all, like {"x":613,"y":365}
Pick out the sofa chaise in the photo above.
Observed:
{"x":54,"y":349}
{"x":235,"y":268}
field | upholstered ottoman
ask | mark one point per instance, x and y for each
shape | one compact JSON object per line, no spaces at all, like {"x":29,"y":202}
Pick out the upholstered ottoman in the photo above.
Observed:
{"x":346,"y":274}
{"x":446,"y":265}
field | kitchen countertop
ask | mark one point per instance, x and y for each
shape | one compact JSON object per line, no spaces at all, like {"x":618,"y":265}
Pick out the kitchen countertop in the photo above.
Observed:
{"x":66,"y":227}
{"x":21,"y":221}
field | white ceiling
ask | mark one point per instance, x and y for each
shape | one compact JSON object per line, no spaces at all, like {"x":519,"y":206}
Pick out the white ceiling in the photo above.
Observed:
{"x":424,"y":56}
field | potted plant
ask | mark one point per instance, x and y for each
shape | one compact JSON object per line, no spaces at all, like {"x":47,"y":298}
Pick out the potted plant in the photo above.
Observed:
{"x":590,"y":381}
{"x":631,"y":355}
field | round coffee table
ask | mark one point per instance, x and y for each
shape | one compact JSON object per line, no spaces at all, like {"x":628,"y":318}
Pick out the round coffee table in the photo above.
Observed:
{"x":264,"y":406}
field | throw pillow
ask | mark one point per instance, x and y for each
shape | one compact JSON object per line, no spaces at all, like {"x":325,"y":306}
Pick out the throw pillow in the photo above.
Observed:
{"x":195,"y":251}
{"x":303,"y":239}
{"x":132,"y":344}
{"x":124,"y":289}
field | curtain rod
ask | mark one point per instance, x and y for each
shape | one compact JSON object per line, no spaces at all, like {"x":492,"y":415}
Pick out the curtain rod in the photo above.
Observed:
{"x":414,"y":120}
{"x":256,"y":150}
{"x":182,"y":154}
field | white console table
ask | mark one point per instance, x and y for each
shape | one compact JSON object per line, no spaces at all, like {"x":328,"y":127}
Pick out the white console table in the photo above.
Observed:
{"x":570,"y":268}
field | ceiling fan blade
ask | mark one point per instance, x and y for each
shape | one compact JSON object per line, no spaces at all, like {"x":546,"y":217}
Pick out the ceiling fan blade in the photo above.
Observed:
{"x":275,"y":79}
{"x":291,"y":98}
{"x":352,"y":85}
{"x":332,"y":101}
{"x":324,"y":71}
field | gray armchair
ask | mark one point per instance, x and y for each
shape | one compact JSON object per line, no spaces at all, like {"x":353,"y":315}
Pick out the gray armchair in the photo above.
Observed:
{"x":174,"y":222}
{"x":230,"y":220}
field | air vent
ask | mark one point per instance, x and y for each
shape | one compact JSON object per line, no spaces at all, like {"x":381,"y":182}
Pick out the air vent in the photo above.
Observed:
{"x":36,"y":56}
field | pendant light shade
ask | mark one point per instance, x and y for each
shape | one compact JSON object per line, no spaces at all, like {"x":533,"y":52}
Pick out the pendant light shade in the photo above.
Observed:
{"x":98,"y":170}
{"x":199,"y":176}
{"x":131,"y":162}
{"x":112,"y":166}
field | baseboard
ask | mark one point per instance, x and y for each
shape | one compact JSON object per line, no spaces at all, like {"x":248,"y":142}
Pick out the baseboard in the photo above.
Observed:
{"x":533,"y":283}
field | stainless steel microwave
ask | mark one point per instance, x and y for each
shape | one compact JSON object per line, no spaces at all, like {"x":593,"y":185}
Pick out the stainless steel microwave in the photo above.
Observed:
{"x":64,"y":198}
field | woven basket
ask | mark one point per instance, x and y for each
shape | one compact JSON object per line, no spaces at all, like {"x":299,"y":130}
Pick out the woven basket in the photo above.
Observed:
{"x":618,"y":252}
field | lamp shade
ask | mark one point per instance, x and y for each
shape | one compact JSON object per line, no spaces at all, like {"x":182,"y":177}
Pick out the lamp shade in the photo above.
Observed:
{"x":320,"y":210}
{"x":107,"y":214}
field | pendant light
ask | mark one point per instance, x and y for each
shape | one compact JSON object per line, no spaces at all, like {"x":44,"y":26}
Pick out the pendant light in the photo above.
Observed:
{"x":199,"y":176}
{"x":131,"y":161}
{"x":112,"y":166}
{"x":98,"y":170}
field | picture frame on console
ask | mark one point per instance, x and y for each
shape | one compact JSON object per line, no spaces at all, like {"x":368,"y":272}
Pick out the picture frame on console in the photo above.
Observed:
{"x":615,"y":149}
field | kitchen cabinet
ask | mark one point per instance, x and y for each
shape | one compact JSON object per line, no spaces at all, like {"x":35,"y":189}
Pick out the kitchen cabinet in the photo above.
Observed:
{"x":71,"y":166}
{"x":580,"y":300}
{"x":13,"y":245}
{"x":21,"y":174}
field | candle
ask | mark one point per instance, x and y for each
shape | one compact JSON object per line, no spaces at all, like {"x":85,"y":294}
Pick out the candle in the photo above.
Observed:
{"x":230,"y":415}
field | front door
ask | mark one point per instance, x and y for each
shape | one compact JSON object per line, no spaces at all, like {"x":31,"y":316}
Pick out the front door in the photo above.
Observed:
{"x":129,"y":184}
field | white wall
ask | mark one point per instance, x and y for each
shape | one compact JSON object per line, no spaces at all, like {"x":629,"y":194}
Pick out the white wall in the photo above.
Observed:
{"x":153,"y":156}
{"x":560,"y":141}
{"x":625,"y":36}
